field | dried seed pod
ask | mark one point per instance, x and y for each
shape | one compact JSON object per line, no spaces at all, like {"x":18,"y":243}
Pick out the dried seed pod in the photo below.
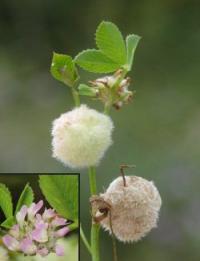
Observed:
{"x":134,"y":207}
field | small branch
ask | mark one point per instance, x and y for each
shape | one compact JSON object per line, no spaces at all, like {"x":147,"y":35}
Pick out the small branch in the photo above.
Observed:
{"x":85,"y":241}
{"x":76,"y":97}
{"x":122,"y":167}
{"x":107,"y":109}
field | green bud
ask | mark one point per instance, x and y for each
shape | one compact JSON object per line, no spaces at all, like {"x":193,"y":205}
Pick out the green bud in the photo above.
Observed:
{"x":85,"y":90}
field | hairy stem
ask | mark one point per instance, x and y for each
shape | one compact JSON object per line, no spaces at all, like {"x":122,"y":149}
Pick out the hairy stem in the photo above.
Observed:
{"x":85,"y":241}
{"x":95,"y":227}
{"x":107,"y":109}
{"x":76,"y":97}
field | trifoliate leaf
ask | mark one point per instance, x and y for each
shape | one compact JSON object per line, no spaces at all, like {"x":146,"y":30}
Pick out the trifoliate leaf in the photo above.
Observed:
{"x":6,"y":201}
{"x":86,"y":90}
{"x":61,"y":191}
{"x":110,"y":41}
{"x":26,"y":198}
{"x":131,"y":44}
{"x":9,"y":222}
{"x":95,"y":61}
{"x":63,"y":69}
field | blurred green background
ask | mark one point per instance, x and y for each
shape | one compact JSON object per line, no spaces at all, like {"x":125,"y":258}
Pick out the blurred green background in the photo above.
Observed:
{"x":159,"y":131}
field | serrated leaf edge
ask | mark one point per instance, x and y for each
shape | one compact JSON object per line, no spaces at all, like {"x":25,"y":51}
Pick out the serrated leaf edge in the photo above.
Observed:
{"x":98,"y":28}
{"x":99,"y":51}
{"x":129,"y":66}
{"x":6,"y":190}
{"x":22,"y":193}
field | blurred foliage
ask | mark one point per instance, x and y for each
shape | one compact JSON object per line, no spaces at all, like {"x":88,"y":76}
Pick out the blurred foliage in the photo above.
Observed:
{"x":159,"y":131}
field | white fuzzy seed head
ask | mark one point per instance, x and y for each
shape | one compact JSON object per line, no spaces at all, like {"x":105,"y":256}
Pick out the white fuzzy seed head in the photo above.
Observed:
{"x":81,"y":137}
{"x":134,"y":208}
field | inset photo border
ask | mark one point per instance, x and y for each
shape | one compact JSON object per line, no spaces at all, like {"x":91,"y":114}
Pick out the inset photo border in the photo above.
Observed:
{"x":39,"y":217}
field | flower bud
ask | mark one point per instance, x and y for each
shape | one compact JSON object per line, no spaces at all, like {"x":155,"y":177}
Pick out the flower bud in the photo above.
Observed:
{"x":21,"y":215}
{"x":134,"y":208}
{"x":59,"y":222}
{"x":59,"y":250}
{"x":81,"y":137}
{"x":10,"y":242}
{"x":15,"y":231}
{"x":34,"y":208}
{"x":48,"y":214}
{"x":62,"y":232}
{"x":113,"y":89}
{"x":28,"y":247}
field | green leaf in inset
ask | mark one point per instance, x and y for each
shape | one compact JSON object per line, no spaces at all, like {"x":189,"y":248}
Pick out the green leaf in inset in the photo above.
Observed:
{"x":6,"y":201}
{"x":131,"y":44}
{"x":110,"y":41}
{"x":9,"y":222}
{"x":95,"y":61}
{"x":26,"y":198}
{"x":63,"y":69}
{"x":86,"y":90}
{"x":61,"y":191}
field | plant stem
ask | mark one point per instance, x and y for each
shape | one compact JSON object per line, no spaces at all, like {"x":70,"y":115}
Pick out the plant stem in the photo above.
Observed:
{"x":95,"y":227}
{"x":107,"y":109}
{"x":75,"y":97}
{"x":85,"y":241}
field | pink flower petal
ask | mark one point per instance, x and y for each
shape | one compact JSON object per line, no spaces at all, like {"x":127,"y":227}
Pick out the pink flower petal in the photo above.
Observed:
{"x":43,"y":252}
{"x":11,"y":243}
{"x":62,"y":232}
{"x":34,"y":208}
{"x":59,"y":250}
{"x":20,"y":216}
{"x":38,"y":217}
{"x":14,"y":231}
{"x":28,"y":247}
{"x":40,"y":234}
{"x":58,"y":222}
{"x":48,"y":214}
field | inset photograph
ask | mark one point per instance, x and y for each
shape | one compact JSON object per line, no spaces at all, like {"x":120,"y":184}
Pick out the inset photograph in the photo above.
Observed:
{"x":39,"y":217}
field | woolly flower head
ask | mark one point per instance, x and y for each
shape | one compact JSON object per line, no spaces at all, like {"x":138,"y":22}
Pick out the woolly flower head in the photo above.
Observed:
{"x":35,"y":233}
{"x":134,"y":208}
{"x":3,"y":254}
{"x":81,"y":137}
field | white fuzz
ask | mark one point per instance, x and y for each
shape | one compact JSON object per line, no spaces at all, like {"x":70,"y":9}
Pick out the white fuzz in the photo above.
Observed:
{"x":134,"y":208}
{"x":81,"y":137}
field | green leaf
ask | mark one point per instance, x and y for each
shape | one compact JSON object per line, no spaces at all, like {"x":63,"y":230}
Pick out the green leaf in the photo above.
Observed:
{"x":9,"y":222}
{"x":63,"y":69}
{"x":61,"y":191}
{"x":131,"y":44}
{"x":86,"y":90}
{"x":6,"y":201}
{"x":26,"y":198}
{"x":95,"y":61}
{"x":110,"y":41}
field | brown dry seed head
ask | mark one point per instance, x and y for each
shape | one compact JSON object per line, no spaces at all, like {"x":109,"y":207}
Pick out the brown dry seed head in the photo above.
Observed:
{"x":135,"y":208}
